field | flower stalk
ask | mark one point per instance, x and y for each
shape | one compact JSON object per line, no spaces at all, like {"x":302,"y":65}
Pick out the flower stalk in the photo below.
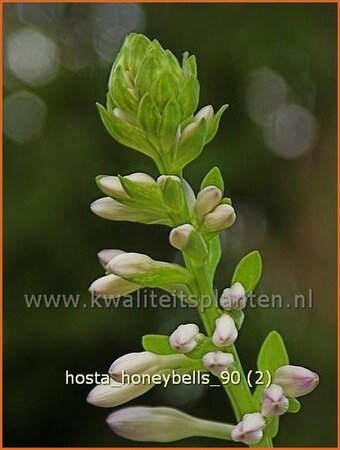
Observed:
{"x":151,"y":107}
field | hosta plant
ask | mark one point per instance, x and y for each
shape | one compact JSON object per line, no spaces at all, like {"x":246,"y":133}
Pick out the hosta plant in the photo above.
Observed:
{"x":151,"y":106}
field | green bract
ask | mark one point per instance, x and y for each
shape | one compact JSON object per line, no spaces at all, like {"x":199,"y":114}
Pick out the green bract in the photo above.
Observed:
{"x":151,"y":104}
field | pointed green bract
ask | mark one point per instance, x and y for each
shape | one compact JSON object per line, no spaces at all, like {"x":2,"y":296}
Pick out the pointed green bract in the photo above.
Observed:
{"x":213,"y":178}
{"x":248,"y":271}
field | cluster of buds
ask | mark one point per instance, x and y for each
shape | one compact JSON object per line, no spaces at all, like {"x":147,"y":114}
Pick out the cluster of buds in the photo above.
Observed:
{"x":127,"y":272}
{"x":187,"y":337}
{"x":145,"y":423}
{"x":140,"y":198}
{"x":117,"y":392}
{"x":213,"y":213}
{"x":151,"y":104}
{"x":289,"y":382}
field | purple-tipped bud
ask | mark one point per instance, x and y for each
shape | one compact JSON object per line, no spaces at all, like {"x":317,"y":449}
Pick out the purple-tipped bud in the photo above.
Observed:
{"x":106,"y":255}
{"x":185,"y":338}
{"x":225,"y":332}
{"x":250,"y":429}
{"x":296,"y":381}
{"x":111,"y":285}
{"x":207,"y":200}
{"x":217,"y":362}
{"x":274,"y":402}
{"x":233,"y":297}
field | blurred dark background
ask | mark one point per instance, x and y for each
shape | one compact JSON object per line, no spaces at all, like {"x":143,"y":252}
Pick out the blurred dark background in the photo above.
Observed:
{"x":276,"y":67}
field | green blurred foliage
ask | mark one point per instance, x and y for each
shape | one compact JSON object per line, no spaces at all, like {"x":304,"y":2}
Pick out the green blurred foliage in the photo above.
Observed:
{"x":286,"y":206}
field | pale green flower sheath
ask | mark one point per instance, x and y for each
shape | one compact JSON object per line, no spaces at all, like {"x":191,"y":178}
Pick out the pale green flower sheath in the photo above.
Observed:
{"x":151,"y":107}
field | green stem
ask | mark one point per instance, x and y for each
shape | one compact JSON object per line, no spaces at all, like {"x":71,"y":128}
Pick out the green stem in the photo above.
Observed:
{"x":239,"y":394}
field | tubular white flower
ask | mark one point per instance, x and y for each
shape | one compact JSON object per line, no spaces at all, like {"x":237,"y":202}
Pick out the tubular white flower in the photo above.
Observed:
{"x":250,"y":429}
{"x":225,"y":332}
{"x":106,"y":255}
{"x":145,"y":363}
{"x":115,"y":394}
{"x":111,"y":285}
{"x":274,"y":403}
{"x":207,"y":200}
{"x":222,"y":217}
{"x":217,"y":362}
{"x":179,"y":236}
{"x":108,"y":208}
{"x":233,"y":297}
{"x":206,"y":113}
{"x":160,"y":424}
{"x":185,"y":338}
{"x":296,"y":381}
{"x":129,"y":265}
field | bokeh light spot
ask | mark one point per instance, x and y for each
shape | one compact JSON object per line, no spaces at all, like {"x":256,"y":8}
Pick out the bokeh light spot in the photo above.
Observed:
{"x":24,"y":116}
{"x":32,"y":57}
{"x":291,"y":131}
{"x":111,"y":23}
{"x":265,"y":93}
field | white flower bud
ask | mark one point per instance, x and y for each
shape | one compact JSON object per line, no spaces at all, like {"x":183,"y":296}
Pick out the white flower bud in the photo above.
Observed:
{"x":207,"y":200}
{"x":129,"y":265}
{"x":274,"y":403}
{"x":250,"y":429}
{"x":161,"y":180}
{"x":233,"y":297}
{"x":145,"y":362}
{"x":189,"y":130}
{"x":225,"y":332}
{"x":112,"y":186}
{"x":140,"y":177}
{"x":160,"y":424}
{"x":185,"y":338}
{"x":106,"y":255}
{"x":295,"y":381}
{"x":179,"y":236}
{"x":217,"y":362}
{"x":111,"y":285}
{"x":108,"y":208}
{"x":222,"y":217}
{"x":115,"y":394}
{"x":206,"y":113}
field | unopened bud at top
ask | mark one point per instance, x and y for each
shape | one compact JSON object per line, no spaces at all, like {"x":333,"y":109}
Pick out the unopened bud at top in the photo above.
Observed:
{"x":180,"y":236}
{"x":250,"y":429}
{"x":206,"y":113}
{"x":274,"y":402}
{"x":185,"y":338}
{"x":223,"y":216}
{"x":207,"y":200}
{"x":233,"y":297}
{"x":217,"y":362}
{"x":225,"y":332}
{"x":295,"y":381}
